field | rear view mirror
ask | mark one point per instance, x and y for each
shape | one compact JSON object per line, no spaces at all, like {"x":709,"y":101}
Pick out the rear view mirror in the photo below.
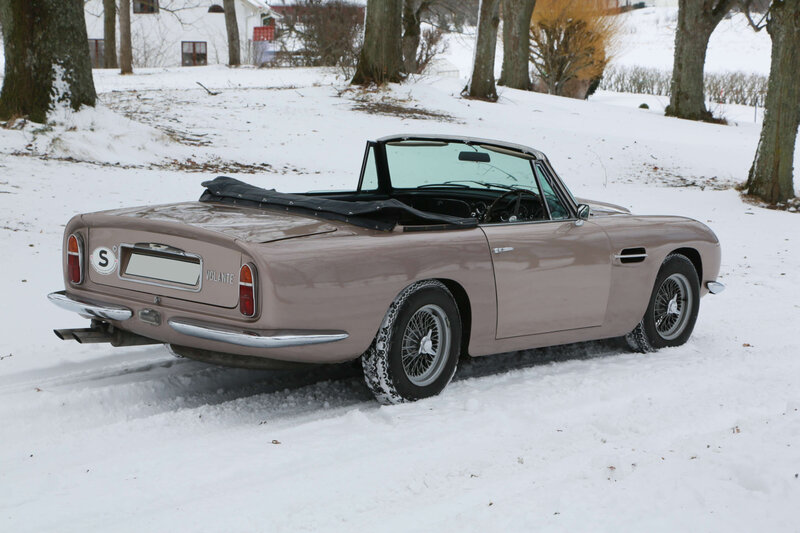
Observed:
{"x":476,"y":157}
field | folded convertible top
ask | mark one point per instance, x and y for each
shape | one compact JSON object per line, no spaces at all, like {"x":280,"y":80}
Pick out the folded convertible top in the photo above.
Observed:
{"x":381,"y":215}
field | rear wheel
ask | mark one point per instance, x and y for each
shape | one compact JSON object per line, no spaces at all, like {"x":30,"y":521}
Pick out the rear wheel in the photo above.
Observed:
{"x":415,"y":353}
{"x":672,"y":311}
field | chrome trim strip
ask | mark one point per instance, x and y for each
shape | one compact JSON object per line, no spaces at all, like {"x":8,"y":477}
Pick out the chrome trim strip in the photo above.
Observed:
{"x":250,"y":339}
{"x":715,"y":287}
{"x":630,"y":256}
{"x":90,"y":309}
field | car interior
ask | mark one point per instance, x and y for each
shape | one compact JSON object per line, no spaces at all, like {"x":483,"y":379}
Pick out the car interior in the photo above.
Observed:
{"x":488,"y":183}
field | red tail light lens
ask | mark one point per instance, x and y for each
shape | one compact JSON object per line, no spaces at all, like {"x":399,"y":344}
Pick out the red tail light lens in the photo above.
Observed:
{"x":75,"y":258}
{"x":247,"y":290}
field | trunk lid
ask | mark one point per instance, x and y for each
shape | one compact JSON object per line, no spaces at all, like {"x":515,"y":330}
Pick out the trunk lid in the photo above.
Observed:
{"x":245,"y":223}
{"x":189,"y":251}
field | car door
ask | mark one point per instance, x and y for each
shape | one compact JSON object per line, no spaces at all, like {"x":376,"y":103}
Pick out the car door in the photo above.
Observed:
{"x":553,"y":274}
{"x":549,"y":276}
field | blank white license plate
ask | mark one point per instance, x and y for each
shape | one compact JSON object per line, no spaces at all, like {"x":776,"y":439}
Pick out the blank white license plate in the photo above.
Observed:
{"x":170,"y":269}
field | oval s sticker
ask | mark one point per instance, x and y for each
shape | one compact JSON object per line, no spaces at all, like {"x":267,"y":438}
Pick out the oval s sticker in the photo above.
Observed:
{"x":104,"y":261}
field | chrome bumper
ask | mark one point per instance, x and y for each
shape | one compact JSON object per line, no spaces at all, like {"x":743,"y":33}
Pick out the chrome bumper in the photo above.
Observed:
{"x":88,"y":308}
{"x":279,"y":339}
{"x":239,"y":337}
{"x":715,"y":287}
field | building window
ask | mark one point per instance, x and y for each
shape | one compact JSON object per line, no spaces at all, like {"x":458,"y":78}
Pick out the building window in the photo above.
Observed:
{"x":145,"y":6}
{"x":216,"y":8}
{"x":194,"y":53}
{"x":97,"y":52}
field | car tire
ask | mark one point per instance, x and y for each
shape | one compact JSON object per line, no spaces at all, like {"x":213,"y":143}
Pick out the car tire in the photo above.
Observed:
{"x":416,"y":351}
{"x":672,"y":310}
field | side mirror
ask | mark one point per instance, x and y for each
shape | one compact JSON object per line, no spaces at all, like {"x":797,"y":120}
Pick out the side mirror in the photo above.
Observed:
{"x":583,"y":214}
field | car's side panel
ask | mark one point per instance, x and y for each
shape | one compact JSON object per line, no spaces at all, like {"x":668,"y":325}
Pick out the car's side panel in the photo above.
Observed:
{"x":550,"y":276}
{"x":347,"y":283}
{"x":631,"y":284}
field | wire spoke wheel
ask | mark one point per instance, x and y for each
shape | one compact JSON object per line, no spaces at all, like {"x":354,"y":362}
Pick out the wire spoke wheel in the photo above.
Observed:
{"x":425,"y":345}
{"x":672,"y":306}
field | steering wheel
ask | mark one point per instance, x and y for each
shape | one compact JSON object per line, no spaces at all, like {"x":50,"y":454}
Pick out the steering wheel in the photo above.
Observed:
{"x":519,"y":193}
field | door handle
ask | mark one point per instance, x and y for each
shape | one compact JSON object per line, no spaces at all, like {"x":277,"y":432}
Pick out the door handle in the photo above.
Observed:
{"x":502,"y":250}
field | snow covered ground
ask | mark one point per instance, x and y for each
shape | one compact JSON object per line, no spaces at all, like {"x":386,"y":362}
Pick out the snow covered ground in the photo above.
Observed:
{"x":587,"y":437}
{"x":584,"y":437}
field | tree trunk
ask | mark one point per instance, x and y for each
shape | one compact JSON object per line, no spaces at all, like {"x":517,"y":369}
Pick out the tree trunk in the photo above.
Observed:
{"x":381,"y":57}
{"x":125,"y":46}
{"x":481,"y":84}
{"x":696,"y":22}
{"x":110,"y":33}
{"x":47,"y":57}
{"x":411,"y":35}
{"x":770,"y":176}
{"x":232,"y":27}
{"x":516,"y":42}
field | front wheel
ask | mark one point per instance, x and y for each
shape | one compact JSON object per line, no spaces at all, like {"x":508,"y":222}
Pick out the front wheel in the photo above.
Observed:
{"x":672,"y":311}
{"x":415,"y":353}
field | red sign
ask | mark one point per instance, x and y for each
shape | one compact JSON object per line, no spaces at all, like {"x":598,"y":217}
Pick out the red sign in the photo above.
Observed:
{"x":264,"y":33}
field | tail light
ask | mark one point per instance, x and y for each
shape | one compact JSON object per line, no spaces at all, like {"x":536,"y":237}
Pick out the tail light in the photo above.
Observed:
{"x":247,"y":290}
{"x":75,"y":258}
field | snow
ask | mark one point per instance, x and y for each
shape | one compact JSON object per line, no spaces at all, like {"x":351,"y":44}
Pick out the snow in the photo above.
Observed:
{"x":586,"y":437}
{"x":649,"y":40}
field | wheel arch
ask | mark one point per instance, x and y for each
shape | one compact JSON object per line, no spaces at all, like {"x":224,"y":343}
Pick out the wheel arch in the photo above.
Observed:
{"x":694,"y":256}
{"x":464,"y":310}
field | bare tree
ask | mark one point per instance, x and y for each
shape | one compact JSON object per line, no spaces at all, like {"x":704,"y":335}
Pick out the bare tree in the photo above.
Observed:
{"x":771,"y":175}
{"x":413,"y":10}
{"x":232,"y":27}
{"x":697,"y":20}
{"x":110,"y":33}
{"x":516,"y":41}
{"x":125,"y":45}
{"x":381,"y":58}
{"x":323,"y":33}
{"x":481,"y":84}
{"x":46,"y":57}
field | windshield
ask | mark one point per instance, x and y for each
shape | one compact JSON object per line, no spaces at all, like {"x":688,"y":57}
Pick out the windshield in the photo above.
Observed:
{"x":414,"y":164}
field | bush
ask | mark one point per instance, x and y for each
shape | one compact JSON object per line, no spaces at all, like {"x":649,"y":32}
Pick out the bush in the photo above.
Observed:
{"x":722,"y":88}
{"x":322,"y":33}
{"x":571,"y":44}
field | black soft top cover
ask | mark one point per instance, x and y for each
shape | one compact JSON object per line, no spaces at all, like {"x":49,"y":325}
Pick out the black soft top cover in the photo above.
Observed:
{"x":381,"y":215}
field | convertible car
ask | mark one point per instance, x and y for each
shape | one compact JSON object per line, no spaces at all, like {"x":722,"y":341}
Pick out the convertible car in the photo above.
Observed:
{"x":448,"y":246}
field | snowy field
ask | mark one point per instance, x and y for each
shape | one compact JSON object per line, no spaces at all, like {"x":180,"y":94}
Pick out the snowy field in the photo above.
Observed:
{"x":587,"y":437}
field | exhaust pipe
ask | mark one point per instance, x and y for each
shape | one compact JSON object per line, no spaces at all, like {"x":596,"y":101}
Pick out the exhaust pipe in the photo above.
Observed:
{"x":102,"y":332}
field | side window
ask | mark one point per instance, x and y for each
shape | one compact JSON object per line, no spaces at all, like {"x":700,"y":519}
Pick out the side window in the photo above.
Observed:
{"x":369,"y":172}
{"x":145,"y":6}
{"x":557,"y":209}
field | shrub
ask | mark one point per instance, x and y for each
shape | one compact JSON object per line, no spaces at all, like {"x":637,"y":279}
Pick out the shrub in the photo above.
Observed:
{"x":722,"y":88}
{"x":571,"y":41}
{"x":323,"y":33}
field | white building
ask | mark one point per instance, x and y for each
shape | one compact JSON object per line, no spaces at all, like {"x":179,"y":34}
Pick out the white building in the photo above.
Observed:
{"x":168,"y":33}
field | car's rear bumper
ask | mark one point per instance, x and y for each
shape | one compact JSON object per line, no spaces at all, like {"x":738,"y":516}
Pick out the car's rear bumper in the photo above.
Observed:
{"x":250,"y":339}
{"x":89,"y":308}
{"x":200,"y":330}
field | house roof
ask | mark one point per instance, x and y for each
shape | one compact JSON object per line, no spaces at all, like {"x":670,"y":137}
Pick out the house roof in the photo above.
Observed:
{"x":281,"y":3}
{"x":257,"y":4}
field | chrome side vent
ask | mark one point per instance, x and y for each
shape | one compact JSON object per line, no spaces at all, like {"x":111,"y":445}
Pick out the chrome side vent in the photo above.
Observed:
{"x":631,"y":255}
